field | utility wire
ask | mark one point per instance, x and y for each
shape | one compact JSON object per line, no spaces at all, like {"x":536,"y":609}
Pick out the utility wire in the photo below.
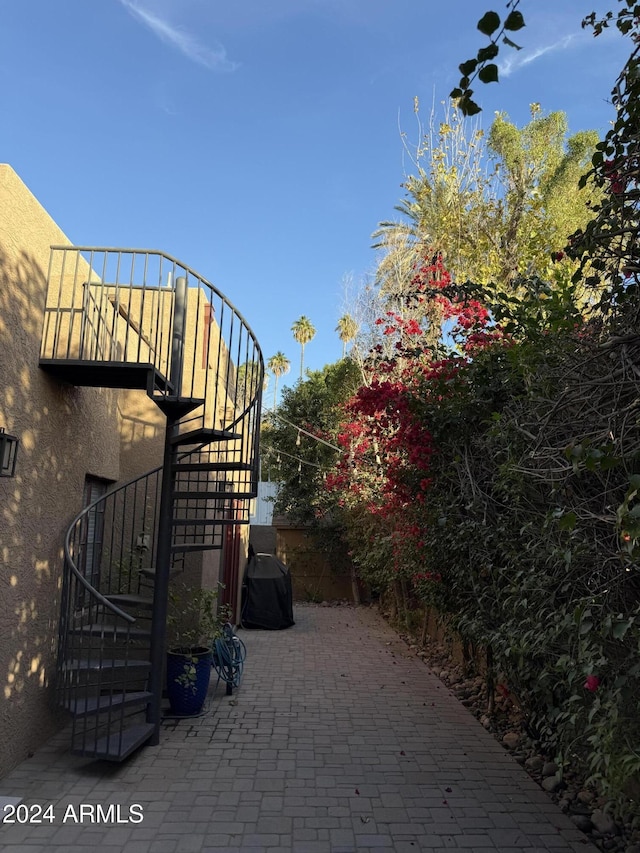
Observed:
{"x":306,"y":432}
{"x":296,"y":458}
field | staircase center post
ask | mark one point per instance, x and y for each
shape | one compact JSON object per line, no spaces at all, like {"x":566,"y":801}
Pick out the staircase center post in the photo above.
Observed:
{"x":161,"y":586}
{"x":177,"y":344}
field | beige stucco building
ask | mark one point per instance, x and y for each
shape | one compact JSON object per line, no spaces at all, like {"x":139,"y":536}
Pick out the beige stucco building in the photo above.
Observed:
{"x":74,"y":442}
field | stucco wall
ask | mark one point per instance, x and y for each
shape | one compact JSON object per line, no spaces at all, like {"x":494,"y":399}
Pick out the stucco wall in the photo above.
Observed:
{"x":141,"y":427}
{"x":65,"y":433}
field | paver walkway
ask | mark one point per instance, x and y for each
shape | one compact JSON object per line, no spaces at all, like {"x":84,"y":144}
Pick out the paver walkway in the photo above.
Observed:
{"x":339,"y":740}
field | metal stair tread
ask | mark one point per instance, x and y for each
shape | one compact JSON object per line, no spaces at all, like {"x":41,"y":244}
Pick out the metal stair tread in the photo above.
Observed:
{"x":196,"y":436}
{"x":117,"y":747}
{"x":130,"y":599}
{"x":204,"y":522}
{"x":97,"y":664}
{"x":100,"y":629}
{"x":203,"y":494}
{"x":177,"y":406}
{"x":105,"y":374}
{"x":212,"y":466}
{"x":97,"y":704}
{"x":150,"y":573}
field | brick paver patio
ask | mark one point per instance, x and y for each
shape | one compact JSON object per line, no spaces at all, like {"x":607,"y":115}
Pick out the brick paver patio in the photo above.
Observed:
{"x":339,"y":740}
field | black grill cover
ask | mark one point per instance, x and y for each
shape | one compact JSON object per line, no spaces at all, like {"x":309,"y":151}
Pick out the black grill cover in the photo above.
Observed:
{"x":267,"y":597}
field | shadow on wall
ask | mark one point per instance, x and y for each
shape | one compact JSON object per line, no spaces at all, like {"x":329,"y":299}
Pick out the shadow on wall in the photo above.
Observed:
{"x":64,"y":433}
{"x":141,"y":427}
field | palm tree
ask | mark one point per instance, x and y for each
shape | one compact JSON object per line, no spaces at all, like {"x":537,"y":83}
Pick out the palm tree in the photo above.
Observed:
{"x":278,"y":364}
{"x":347,"y":329}
{"x":303,"y":332}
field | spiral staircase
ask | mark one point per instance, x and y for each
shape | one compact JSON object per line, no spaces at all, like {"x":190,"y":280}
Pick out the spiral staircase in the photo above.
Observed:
{"x":138,"y":319}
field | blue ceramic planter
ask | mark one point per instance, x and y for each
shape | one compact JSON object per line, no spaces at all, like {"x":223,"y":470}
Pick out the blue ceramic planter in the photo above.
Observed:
{"x":188,"y":674}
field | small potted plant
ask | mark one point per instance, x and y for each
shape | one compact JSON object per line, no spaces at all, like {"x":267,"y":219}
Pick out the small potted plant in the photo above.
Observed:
{"x":195,"y":621}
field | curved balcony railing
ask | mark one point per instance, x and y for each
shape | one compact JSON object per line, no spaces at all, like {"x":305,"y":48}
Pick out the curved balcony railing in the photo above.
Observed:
{"x":141,"y":318}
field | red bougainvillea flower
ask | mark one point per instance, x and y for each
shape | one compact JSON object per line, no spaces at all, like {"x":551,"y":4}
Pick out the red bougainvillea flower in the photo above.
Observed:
{"x":592,"y":683}
{"x":413,"y":328}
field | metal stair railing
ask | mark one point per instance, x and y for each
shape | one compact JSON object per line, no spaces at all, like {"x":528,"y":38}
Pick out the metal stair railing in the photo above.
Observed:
{"x":109,"y":560}
{"x":144,"y":308}
{"x":103,"y":648}
{"x":141,"y":319}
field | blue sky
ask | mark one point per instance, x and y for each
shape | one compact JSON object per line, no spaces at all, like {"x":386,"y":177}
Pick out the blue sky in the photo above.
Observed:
{"x":259,"y":141}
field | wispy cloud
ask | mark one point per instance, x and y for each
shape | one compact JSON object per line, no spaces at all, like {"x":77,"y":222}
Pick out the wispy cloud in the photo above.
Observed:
{"x":212,"y":57}
{"x":522,"y":58}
